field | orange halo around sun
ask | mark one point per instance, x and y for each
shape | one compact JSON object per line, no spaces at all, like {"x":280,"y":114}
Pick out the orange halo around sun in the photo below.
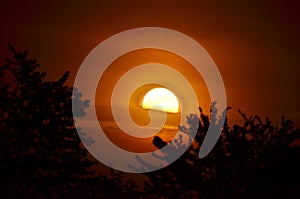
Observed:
{"x":138,"y":112}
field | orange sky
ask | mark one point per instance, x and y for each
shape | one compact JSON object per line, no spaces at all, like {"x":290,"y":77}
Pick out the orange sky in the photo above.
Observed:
{"x":115,"y":71}
{"x":255,"y":45}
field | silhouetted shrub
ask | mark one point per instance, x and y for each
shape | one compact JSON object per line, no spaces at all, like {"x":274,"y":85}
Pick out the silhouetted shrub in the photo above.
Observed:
{"x":254,"y":160}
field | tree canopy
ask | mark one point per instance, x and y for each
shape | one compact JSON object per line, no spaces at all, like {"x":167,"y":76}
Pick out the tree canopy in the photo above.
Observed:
{"x":40,"y":148}
{"x":254,"y":160}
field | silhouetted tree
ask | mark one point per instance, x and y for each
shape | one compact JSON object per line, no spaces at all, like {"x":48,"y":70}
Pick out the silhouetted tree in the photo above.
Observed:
{"x":254,"y":160}
{"x":40,"y":152}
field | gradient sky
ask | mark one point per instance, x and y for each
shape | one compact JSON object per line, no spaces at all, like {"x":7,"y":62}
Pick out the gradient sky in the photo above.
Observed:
{"x":254,"y":44}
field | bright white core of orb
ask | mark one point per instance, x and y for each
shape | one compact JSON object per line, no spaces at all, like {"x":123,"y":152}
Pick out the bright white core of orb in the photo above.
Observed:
{"x":161,"y":99}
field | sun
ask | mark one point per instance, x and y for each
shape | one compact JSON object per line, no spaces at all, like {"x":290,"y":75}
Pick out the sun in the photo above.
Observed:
{"x":161,"y":99}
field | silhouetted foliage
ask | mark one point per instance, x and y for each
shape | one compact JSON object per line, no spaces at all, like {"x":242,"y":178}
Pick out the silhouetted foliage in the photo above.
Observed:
{"x":254,"y":160}
{"x":40,"y":152}
{"x":41,"y":155}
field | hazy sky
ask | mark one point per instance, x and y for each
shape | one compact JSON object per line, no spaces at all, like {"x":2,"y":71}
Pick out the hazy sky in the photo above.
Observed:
{"x":255,"y":45}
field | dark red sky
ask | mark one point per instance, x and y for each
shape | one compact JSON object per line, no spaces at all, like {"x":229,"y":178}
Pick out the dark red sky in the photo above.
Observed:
{"x":255,"y":45}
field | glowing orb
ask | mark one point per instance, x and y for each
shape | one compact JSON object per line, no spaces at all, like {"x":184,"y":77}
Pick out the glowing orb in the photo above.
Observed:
{"x":161,"y":99}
